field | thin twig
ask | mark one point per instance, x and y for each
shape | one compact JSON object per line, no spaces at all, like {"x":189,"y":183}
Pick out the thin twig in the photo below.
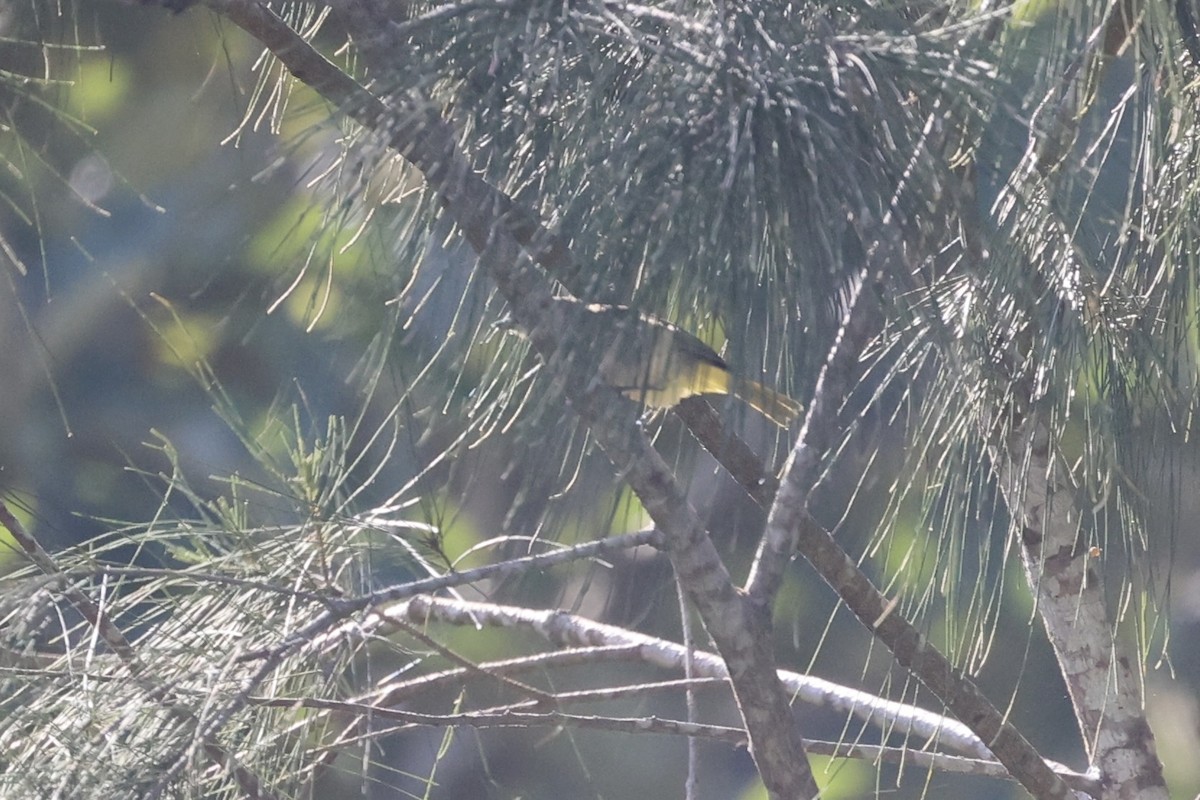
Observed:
{"x":343,"y":608}
{"x":661,"y":726}
{"x":541,"y":699}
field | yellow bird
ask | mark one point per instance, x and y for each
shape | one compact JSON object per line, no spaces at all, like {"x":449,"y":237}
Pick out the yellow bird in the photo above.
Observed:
{"x":659,"y":364}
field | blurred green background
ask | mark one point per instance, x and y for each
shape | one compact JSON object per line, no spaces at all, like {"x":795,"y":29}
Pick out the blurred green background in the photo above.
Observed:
{"x":159,"y":226}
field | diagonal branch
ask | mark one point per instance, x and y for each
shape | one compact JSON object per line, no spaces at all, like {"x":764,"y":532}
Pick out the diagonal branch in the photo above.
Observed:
{"x":790,"y":504}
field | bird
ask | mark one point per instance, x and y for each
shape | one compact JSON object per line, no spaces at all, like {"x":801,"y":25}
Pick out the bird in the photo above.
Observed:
{"x":658,"y":364}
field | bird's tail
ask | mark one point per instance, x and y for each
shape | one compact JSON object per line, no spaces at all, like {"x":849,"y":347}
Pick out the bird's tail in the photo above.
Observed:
{"x":775,"y":406}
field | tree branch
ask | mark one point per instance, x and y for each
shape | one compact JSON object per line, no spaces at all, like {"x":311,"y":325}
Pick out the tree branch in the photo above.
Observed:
{"x":569,"y":630}
{"x":778,"y":543}
{"x":1101,"y":676}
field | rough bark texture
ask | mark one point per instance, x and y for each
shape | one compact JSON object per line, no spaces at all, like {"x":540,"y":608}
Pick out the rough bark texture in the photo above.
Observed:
{"x":1101,"y":675}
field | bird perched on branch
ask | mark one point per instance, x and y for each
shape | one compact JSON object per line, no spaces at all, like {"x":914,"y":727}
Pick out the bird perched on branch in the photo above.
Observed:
{"x":658,"y":364}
